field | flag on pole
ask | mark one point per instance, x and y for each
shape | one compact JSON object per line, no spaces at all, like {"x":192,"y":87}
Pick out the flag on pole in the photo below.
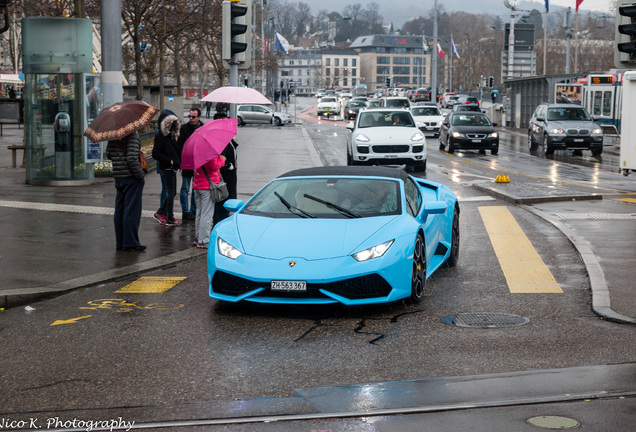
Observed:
{"x":578,"y":3}
{"x":281,"y":43}
{"x":439,"y":50}
{"x":454,"y":48}
{"x":547,"y":6}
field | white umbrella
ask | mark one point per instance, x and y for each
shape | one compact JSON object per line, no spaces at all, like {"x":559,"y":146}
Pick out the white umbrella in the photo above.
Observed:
{"x":236,"y":95}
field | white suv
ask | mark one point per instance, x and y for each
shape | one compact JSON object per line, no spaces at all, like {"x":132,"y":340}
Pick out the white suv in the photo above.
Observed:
{"x":386,"y":136}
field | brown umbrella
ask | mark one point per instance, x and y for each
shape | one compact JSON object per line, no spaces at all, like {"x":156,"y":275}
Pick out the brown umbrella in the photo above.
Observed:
{"x":119,"y":120}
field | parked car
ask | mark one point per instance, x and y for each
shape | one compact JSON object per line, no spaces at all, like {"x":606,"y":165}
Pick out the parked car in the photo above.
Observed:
{"x":470,"y":131}
{"x":334,"y":235}
{"x":395,"y":102}
{"x":329,"y":105}
{"x":421,"y":94}
{"x":428,"y":118}
{"x":564,"y":127}
{"x":260,"y":114}
{"x":352,"y":108}
{"x":386,"y":136}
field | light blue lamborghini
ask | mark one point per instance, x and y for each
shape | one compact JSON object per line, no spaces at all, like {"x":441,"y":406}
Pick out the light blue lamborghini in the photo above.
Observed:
{"x":350,"y":235}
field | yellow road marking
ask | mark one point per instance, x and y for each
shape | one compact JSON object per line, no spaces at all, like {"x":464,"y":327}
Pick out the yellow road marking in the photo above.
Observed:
{"x":70,"y":321}
{"x":149,"y":284}
{"x":629,"y":200}
{"x":522,"y":266}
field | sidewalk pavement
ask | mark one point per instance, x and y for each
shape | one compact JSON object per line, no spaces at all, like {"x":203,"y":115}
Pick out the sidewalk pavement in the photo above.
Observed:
{"x":57,"y":239}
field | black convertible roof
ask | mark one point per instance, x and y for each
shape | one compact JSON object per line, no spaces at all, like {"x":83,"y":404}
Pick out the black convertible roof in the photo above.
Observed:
{"x":363,"y":171}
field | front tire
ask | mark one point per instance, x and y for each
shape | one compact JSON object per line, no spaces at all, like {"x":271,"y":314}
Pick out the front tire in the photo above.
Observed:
{"x":239,"y":121}
{"x":418,"y":274}
{"x":277,"y":121}
{"x":547,"y":148}
{"x":532,"y":146}
{"x":453,"y":257}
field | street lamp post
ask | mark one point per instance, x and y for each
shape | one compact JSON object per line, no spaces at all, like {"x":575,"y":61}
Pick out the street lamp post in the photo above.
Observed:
{"x":470,"y":78}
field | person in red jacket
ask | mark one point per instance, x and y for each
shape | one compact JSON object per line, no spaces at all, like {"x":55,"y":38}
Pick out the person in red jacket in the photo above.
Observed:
{"x":204,"y":202}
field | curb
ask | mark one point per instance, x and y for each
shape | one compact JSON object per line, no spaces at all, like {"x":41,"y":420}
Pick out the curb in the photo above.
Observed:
{"x":16,"y":297}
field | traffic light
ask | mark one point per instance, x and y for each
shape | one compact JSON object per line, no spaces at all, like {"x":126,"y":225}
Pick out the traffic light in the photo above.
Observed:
{"x":237,"y":32}
{"x":491,"y":82}
{"x":625,"y":35}
{"x":387,"y":82}
{"x":246,"y":82}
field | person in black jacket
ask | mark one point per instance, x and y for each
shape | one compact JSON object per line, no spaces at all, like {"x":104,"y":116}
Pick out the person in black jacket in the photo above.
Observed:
{"x":168,"y":156}
{"x":188,"y":206}
{"x":129,"y":182}
{"x":228,"y":172}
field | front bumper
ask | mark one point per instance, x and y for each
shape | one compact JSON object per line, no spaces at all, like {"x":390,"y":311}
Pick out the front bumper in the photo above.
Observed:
{"x":389,"y":154}
{"x":335,"y":280}
{"x":563,"y":142}
{"x":467,"y":143}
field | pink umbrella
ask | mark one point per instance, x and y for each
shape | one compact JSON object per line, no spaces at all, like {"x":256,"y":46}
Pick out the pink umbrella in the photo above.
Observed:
{"x":236,"y":95}
{"x":207,"y":142}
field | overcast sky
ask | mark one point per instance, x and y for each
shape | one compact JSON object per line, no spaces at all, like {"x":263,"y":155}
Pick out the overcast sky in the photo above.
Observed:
{"x":401,"y":11}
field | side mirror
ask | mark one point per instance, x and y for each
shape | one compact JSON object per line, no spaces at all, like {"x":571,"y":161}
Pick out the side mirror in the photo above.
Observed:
{"x":494,"y":125}
{"x":350,"y":127}
{"x":540,"y":119}
{"x":233,"y":205}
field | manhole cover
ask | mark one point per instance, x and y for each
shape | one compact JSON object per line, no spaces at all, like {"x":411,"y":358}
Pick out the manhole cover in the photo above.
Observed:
{"x":553,"y":422}
{"x":485,"y":320}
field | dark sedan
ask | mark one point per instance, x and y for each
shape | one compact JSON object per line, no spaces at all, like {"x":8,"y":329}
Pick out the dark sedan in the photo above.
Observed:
{"x":470,"y":131}
{"x":352,"y":108}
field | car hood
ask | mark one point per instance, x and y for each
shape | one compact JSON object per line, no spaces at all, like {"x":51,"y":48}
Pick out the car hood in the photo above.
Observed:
{"x":321,"y":104}
{"x":428,"y":118}
{"x":388,"y":134}
{"x":307,"y":238}
{"x":575,"y":124}
{"x":474,"y":129}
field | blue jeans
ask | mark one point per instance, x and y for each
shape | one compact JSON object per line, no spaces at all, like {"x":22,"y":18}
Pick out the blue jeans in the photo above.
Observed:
{"x":186,"y":182}
{"x":167,"y":205}
{"x":164,"y":190}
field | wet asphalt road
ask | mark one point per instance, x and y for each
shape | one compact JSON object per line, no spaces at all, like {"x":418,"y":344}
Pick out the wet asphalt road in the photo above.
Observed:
{"x":168,"y":355}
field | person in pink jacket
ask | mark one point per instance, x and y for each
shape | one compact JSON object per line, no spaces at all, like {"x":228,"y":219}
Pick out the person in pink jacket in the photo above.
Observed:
{"x":204,"y":202}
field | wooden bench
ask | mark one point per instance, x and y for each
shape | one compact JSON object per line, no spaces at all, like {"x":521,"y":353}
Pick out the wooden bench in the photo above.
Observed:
{"x":13,"y":149}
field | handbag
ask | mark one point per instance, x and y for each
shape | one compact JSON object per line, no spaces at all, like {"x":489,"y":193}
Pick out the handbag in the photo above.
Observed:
{"x":218,"y":191}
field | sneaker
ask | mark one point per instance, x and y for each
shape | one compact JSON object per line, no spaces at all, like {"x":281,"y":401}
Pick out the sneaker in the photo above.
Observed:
{"x":201,"y":245}
{"x":173,"y":222}
{"x":160,"y":218}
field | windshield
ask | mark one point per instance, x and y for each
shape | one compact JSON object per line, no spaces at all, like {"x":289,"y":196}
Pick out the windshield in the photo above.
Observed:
{"x":573,"y":113}
{"x":426,"y":111}
{"x":398,"y":103}
{"x":386,"y":118}
{"x":328,"y":99}
{"x":470,"y":120}
{"x":326,"y":198}
{"x":357,"y":104}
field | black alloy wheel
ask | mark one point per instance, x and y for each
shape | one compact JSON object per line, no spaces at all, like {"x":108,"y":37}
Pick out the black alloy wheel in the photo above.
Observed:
{"x":277,"y":121}
{"x":418,"y":275}
{"x":453,"y":257}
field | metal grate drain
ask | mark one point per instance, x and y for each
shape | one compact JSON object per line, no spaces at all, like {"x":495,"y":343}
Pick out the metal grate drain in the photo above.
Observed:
{"x":554,"y":422}
{"x":485,"y":320}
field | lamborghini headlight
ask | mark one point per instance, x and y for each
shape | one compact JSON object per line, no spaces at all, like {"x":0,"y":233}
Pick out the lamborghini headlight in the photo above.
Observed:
{"x":227,"y":250}
{"x":373,"y":252}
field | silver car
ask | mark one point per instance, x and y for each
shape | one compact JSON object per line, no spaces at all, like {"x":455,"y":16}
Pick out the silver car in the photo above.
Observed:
{"x":260,"y":114}
{"x":564,"y":127}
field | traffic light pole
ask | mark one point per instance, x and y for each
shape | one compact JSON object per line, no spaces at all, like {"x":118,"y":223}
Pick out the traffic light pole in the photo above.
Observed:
{"x":233,"y":83}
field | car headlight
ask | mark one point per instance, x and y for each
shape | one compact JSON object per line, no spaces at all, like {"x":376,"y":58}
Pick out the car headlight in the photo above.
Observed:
{"x":362,"y":138}
{"x":556,"y":131}
{"x":494,"y":135}
{"x":457,"y":134}
{"x":373,"y":252}
{"x":597,"y":131}
{"x":227,"y":250}
{"x":417,"y":137}
{"x":439,"y":123}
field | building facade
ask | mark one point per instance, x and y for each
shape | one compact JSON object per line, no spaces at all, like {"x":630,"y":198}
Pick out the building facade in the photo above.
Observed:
{"x":403,"y":59}
{"x":302,"y":67}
